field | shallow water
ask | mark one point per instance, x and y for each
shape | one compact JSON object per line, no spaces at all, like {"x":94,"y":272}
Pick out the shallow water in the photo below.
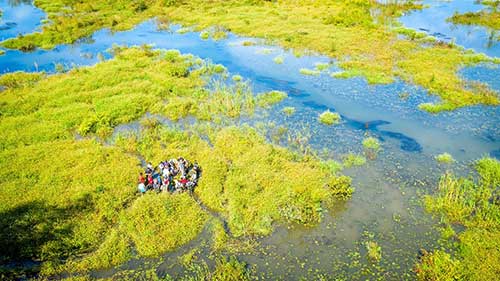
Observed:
{"x":432,"y":21}
{"x":386,"y":201}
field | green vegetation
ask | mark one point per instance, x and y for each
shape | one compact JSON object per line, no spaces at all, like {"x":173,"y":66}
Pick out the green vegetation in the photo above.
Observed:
{"x":328,"y":27}
{"x":372,"y":147}
{"x":230,"y":269}
{"x":374,"y":251}
{"x":474,"y":204}
{"x":489,"y":17}
{"x":270,"y":98}
{"x":329,"y":118}
{"x":289,"y":111}
{"x":311,"y":72}
{"x":321,"y":66}
{"x":279,"y":60}
{"x":445,"y":158}
{"x":351,"y":159}
{"x":68,"y":191}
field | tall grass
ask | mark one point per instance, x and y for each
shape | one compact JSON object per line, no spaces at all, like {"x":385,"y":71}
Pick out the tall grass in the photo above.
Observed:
{"x":473,"y":203}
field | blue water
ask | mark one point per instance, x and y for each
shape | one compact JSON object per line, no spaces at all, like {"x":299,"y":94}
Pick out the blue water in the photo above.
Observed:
{"x":410,"y":138}
{"x":432,"y":20}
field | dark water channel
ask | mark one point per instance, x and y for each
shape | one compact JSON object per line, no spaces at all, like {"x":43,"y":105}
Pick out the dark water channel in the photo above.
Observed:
{"x":386,"y":206}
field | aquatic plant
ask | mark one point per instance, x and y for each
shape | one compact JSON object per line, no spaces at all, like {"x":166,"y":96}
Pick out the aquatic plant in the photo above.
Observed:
{"x":248,"y":43}
{"x":288,"y":110}
{"x":230,"y":269}
{"x":487,"y":17}
{"x":279,"y":60}
{"x":329,"y":118}
{"x":204,"y":35}
{"x":321,"y":66}
{"x":475,"y":205}
{"x":270,"y":98}
{"x":237,"y":78}
{"x":444,"y":158}
{"x":374,"y":251}
{"x":306,"y":71}
{"x":371,"y":147}
{"x":352,"y":159}
{"x":381,"y":55}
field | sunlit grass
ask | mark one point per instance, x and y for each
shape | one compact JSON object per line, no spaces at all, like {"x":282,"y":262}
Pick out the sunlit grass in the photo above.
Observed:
{"x":473,"y":203}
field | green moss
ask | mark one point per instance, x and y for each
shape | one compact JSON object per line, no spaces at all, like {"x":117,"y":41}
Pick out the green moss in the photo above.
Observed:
{"x":329,"y":118}
{"x":445,"y":158}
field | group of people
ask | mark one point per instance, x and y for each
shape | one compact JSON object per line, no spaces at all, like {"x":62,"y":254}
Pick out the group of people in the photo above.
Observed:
{"x":170,"y":176}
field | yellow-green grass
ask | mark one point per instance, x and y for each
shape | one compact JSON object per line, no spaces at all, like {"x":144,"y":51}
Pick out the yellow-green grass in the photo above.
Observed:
{"x":473,"y":203}
{"x":68,"y":192}
{"x":358,"y":34}
{"x":329,"y":118}
{"x":253,"y":184}
{"x":444,"y":158}
{"x":489,"y":17}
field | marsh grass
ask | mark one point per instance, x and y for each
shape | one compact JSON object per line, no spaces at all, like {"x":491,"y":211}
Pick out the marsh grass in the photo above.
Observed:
{"x":74,"y":206}
{"x":279,"y":60}
{"x":473,"y":203}
{"x":310,"y":72}
{"x":330,"y":28}
{"x":349,"y":160}
{"x":444,"y":158}
{"x":329,"y":118}
{"x":289,"y":111}
{"x":371,"y":147}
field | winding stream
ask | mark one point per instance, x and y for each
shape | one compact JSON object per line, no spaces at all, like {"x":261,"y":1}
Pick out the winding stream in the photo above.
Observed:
{"x":385,"y":204}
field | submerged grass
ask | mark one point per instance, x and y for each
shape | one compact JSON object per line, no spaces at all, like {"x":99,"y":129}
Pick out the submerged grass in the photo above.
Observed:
{"x":68,"y":196}
{"x":475,"y":204}
{"x":357,"y":34}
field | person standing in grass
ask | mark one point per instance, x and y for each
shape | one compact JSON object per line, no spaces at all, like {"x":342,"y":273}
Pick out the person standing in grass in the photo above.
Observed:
{"x":141,"y":186}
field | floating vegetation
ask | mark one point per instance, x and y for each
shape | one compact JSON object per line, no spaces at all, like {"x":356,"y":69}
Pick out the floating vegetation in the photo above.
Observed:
{"x":374,"y":251}
{"x":306,"y":71}
{"x":2,"y":52}
{"x":183,"y":30}
{"x":270,"y":98}
{"x":289,"y":111}
{"x":349,"y":160}
{"x":474,"y":204}
{"x":237,"y":78}
{"x":205,"y":35}
{"x":329,"y":118}
{"x":444,"y":158}
{"x":371,"y":147}
{"x":248,"y":43}
{"x":321,"y":66}
{"x":279,"y":60}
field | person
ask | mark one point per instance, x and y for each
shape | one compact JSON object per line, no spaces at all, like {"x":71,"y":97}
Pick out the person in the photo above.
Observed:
{"x":183,"y":182}
{"x":156,"y":185}
{"x":142,"y":188}
{"x":149,"y":182}
{"x":142,"y":179}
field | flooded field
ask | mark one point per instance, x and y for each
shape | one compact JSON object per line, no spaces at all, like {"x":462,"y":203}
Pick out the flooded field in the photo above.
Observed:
{"x":386,"y":205}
